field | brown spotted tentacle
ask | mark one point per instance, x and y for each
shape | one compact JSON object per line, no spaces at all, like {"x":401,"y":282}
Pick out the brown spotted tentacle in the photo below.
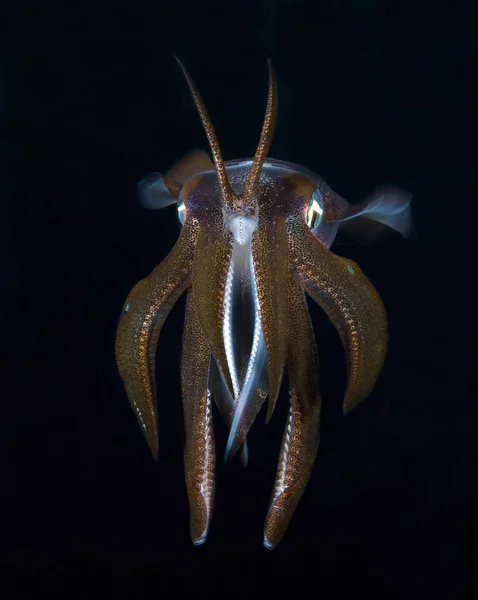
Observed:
{"x":352,"y":304}
{"x":143,"y":314}
{"x":301,"y":435}
{"x":199,"y":451}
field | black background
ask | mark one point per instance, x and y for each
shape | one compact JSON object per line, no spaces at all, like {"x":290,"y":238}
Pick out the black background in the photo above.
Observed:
{"x":92,"y":100}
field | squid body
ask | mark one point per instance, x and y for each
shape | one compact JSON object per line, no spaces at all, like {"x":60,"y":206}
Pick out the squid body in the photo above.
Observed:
{"x":254,"y":242}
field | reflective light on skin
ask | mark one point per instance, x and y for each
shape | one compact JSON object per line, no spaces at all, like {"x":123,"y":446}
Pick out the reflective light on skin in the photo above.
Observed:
{"x":267,"y":544}
{"x":140,"y":416}
{"x":204,"y":487}
{"x":256,"y":366}
{"x":246,"y":356}
{"x":181,"y":212}
{"x":242,"y":228}
{"x":227,"y":332}
{"x":315,"y":210}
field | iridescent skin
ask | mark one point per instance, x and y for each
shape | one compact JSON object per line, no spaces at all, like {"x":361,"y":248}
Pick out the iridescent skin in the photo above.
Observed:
{"x":291,"y":258}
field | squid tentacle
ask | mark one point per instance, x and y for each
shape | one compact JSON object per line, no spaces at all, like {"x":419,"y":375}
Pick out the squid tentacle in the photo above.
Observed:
{"x":199,"y":450}
{"x":142,"y":317}
{"x":352,"y":304}
{"x":210,"y":266}
{"x":301,"y":436}
{"x":271,"y":267}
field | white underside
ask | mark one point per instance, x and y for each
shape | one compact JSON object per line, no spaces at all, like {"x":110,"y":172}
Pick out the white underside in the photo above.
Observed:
{"x":242,"y":328}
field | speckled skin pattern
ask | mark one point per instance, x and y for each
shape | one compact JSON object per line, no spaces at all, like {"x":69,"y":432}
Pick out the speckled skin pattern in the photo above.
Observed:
{"x":290,"y":261}
{"x":143,"y":314}
{"x":270,"y":120}
{"x":228,"y":199}
{"x":199,"y":451}
{"x":210,"y":264}
{"x":351,"y":302}
{"x":301,"y":435}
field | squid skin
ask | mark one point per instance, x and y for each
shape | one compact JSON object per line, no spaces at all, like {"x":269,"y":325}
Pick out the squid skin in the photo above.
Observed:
{"x":350,"y":301}
{"x":199,"y":450}
{"x":255,"y":241}
{"x":143,"y":314}
{"x":301,"y":436}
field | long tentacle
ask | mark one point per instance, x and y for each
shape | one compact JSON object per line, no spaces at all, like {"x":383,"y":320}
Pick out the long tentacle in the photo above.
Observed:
{"x":352,"y":304}
{"x":271,"y":268}
{"x":265,"y":140}
{"x":143,"y":314}
{"x":255,"y":384}
{"x":199,"y":451}
{"x":224,"y":402}
{"x":211,"y":263}
{"x":301,"y":436}
{"x":228,"y":195}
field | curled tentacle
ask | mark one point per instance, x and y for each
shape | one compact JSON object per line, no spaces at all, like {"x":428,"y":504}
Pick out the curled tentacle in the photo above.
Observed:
{"x":143,"y":314}
{"x":352,"y":304}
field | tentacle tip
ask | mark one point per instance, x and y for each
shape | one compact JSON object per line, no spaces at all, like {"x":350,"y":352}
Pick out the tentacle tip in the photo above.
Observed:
{"x":244,"y":455}
{"x":272,"y":400}
{"x":234,"y":442}
{"x":229,"y":453}
{"x":200,"y":540}
{"x":270,"y":410}
{"x":350,"y":401}
{"x":231,"y":450}
{"x":153,"y":446}
{"x":267,"y":544}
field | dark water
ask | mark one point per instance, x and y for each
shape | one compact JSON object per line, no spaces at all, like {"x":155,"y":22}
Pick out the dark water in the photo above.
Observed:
{"x":91,"y":101}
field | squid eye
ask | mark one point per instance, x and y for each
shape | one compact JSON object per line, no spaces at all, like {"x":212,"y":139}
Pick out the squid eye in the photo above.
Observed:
{"x":315,"y":210}
{"x":181,"y":212}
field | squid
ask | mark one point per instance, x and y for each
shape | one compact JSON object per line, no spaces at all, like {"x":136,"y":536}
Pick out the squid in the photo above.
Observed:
{"x":254,"y":243}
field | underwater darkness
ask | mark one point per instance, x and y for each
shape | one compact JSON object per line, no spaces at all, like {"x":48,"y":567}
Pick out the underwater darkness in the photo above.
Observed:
{"x":91,"y":101}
